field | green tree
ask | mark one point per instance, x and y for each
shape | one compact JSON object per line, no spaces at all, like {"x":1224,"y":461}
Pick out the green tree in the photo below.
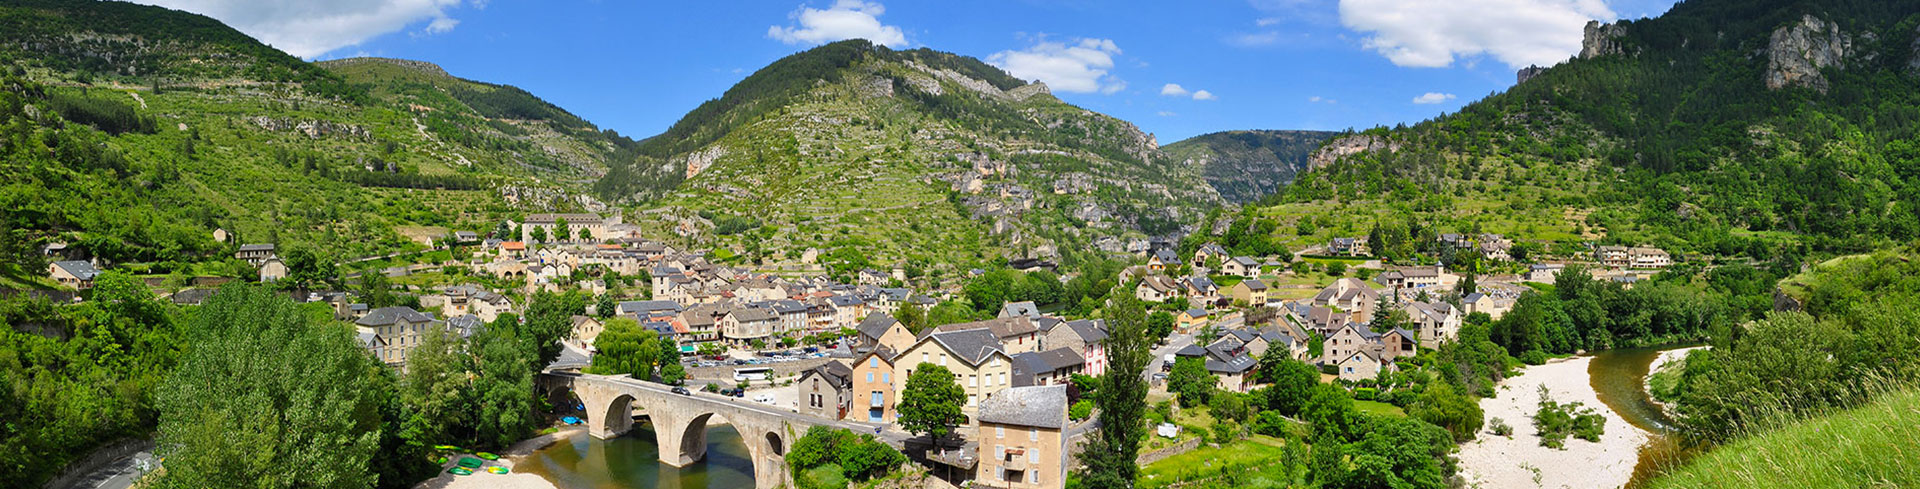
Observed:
{"x":606,"y":306}
{"x":586,"y":234}
{"x":1191,"y":381}
{"x":267,"y":398}
{"x":307,"y":270}
{"x":539,"y":234}
{"x":1159,"y":325}
{"x":503,"y":385}
{"x":436,"y":392}
{"x":930,"y":403}
{"x":1447,"y":408}
{"x":376,"y":290}
{"x":1394,"y":453}
{"x":625,"y":349}
{"x":560,"y":230}
{"x":913,"y":317}
{"x":1292,"y":381}
{"x":1109,"y":456}
{"x":1331,"y":411}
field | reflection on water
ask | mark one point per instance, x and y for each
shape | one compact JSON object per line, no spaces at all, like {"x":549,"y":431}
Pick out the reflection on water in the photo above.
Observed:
{"x":633,"y":462}
{"x":1619,"y":380}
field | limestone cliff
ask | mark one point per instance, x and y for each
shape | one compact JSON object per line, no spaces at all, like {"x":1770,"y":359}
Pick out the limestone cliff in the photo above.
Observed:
{"x":1601,"y":40}
{"x":1796,"y":53}
{"x":1350,"y":145}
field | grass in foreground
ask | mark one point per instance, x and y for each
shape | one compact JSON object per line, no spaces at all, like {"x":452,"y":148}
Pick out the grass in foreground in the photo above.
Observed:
{"x":1870,"y":446}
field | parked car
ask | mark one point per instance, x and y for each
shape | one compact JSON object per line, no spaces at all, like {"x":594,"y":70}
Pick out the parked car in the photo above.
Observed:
{"x":681,"y":391}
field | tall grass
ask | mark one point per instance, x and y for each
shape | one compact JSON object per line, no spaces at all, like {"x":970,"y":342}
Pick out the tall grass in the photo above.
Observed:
{"x":1876,"y":444}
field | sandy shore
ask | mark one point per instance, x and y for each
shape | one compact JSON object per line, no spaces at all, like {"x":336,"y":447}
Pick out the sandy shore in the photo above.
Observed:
{"x":1497,"y":462}
{"x":513,"y":455}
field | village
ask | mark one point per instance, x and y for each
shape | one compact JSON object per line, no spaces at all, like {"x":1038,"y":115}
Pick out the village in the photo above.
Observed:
{"x":833,"y":350}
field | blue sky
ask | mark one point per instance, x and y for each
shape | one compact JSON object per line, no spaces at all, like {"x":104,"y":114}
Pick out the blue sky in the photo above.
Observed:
{"x":636,"y":67}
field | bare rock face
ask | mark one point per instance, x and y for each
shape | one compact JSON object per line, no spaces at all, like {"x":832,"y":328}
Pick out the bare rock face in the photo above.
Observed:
{"x":312,"y":128}
{"x":1601,"y":40}
{"x":1528,"y":73}
{"x":1028,"y":90}
{"x":1796,"y":53}
{"x":1913,"y":63}
{"x":1350,"y":145}
{"x":700,"y":160}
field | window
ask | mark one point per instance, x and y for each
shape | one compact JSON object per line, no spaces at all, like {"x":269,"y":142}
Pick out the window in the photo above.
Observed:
{"x":869,"y":377}
{"x":1033,"y":435}
{"x":884,"y":377}
{"x":1033,"y":456}
{"x":971,"y":398}
{"x":923,"y":357}
{"x":943,"y":359}
{"x":973,"y":381}
{"x":872,"y":362}
{"x":999,"y":432}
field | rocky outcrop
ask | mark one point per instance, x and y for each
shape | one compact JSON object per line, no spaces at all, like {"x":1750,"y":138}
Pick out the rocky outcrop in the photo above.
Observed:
{"x":1796,"y":53}
{"x":1528,"y":73}
{"x":315,"y":129}
{"x":1913,"y":62}
{"x":699,"y":160}
{"x":1029,"y":90}
{"x":1350,"y":145}
{"x":1601,"y":40}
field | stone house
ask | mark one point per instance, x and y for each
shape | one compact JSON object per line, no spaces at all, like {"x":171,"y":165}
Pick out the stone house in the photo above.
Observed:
{"x":73,"y":274}
{"x":1360,"y":365}
{"x":1191,"y":317}
{"x":1242,"y":266}
{"x":880,"y":330}
{"x":873,"y":388}
{"x":1162,"y":260}
{"x":585,"y":330}
{"x":1411,"y":277}
{"x":1438,"y":322}
{"x":825,"y":391}
{"x":1155,"y":288}
{"x":742,"y":325}
{"x":1348,"y":247}
{"x":400,"y":329}
{"x":974,"y":357}
{"x":1227,"y":359}
{"x":1250,"y":291}
{"x":255,"y":254}
{"x":1087,"y":337}
{"x":273,"y":270}
{"x":1054,"y":366}
{"x":1025,"y":426}
{"x":1208,"y":251}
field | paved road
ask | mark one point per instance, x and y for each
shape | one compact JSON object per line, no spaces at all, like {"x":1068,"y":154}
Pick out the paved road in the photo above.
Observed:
{"x":117,"y":474}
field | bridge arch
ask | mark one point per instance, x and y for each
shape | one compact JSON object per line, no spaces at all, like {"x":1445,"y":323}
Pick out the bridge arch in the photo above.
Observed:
{"x":680,"y":422}
{"x":774,"y":444}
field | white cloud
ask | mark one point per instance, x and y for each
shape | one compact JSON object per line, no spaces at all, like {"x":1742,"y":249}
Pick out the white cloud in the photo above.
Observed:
{"x":1080,"y":67}
{"x":1431,"y":98}
{"x":1431,"y":34}
{"x":1166,"y":114}
{"x":1316,"y":99}
{"x":308,"y":28}
{"x":442,"y":25}
{"x":847,"y":19}
{"x":1266,"y":21}
{"x":1175,"y":90}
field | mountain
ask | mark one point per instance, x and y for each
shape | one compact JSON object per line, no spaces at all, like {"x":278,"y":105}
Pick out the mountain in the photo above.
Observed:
{"x":1723,"y":127}
{"x":156,"y":127}
{"x":1246,"y":165}
{"x":917,"y":156}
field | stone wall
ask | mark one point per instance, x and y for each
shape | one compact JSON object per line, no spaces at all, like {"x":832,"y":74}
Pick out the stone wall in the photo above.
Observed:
{"x":1162,"y":454}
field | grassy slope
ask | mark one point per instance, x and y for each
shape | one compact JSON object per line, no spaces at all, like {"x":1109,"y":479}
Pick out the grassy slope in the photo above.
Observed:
{"x":1869,"y":446}
{"x":845,"y":165}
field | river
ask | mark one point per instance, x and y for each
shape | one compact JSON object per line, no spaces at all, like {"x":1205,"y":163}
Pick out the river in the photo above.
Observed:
{"x":1619,"y":380}
{"x":632,"y":461}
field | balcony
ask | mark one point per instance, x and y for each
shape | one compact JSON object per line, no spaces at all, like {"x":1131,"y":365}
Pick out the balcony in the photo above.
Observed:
{"x":960,"y":457}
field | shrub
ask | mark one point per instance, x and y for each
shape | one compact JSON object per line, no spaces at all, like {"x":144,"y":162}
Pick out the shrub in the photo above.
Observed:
{"x":1080,"y":410}
{"x":827,"y":476}
{"x":1364,"y":393}
{"x":1500,"y":427}
{"x":1225,"y":432}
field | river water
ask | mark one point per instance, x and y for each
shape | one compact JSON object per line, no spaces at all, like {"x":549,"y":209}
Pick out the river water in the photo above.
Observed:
{"x":1619,"y":380}
{"x":632,"y":461}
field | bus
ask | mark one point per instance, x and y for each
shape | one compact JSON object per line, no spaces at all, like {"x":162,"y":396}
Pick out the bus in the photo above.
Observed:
{"x":752,"y":373}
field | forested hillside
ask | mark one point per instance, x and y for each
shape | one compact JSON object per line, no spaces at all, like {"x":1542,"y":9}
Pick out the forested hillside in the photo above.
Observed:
{"x":1723,"y":127}
{"x":1247,"y":165}
{"x":134,"y":132}
{"x":870,"y":154}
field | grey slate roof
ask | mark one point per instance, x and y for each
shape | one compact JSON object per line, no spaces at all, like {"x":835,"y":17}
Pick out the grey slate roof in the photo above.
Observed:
{"x":753,"y":314}
{"x":466,"y":325}
{"x":1023,"y":308}
{"x":845,"y":301}
{"x":636,"y":307}
{"x":81,"y":269}
{"x":971,"y":345}
{"x":876,"y":324}
{"x":1090,"y":330}
{"x":1039,"y":406}
{"x":386,"y":316}
{"x":257,"y":247}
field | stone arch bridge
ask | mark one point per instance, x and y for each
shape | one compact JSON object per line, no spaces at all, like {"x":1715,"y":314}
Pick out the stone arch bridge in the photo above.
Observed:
{"x":680,"y":421}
